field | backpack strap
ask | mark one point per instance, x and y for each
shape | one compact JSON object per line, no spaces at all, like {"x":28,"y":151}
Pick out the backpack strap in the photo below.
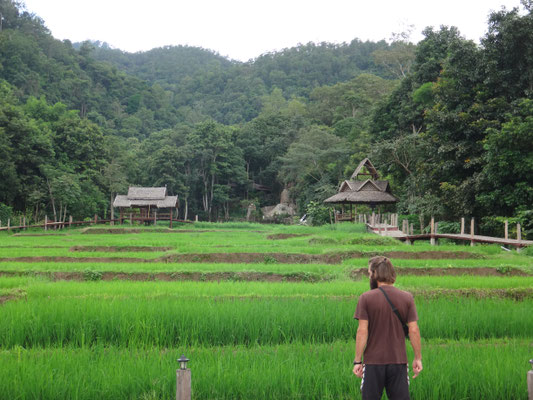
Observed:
{"x":395,"y":311}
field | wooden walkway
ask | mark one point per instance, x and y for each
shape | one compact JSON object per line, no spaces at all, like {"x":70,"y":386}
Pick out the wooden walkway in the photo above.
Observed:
{"x":394,"y":232}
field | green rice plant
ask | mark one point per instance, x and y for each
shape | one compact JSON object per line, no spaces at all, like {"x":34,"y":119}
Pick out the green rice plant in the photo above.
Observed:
{"x":39,"y":287}
{"x":289,"y":371}
{"x":170,"y":321}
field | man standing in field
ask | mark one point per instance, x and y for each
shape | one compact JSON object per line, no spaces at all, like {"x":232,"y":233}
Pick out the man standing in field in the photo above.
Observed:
{"x":381,"y":335}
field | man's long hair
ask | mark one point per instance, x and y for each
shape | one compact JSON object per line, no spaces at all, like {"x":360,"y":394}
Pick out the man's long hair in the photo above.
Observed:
{"x":382,"y":269}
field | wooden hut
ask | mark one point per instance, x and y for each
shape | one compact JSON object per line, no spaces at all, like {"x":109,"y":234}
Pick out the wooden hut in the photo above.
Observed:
{"x":369,"y":190}
{"x":146,"y":204}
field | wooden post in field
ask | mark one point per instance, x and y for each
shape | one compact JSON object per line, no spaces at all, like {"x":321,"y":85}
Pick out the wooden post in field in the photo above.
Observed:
{"x":155,"y":218}
{"x":196,"y":217}
{"x":412,"y":230}
{"x":171,"y":214}
{"x":8,"y":224}
{"x":95,"y":219}
{"x":472,"y":232}
{"x":432,"y":237}
{"x":131,"y":219}
{"x":69,"y":221}
{"x":506,"y":229}
{"x":183,"y":380}
{"x":530,"y":381}
{"x":24,"y":223}
{"x":46,"y":222}
{"x":518,"y":236}
{"x":462,"y":225}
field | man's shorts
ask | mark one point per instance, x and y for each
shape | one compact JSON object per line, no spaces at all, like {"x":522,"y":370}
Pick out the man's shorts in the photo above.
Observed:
{"x":394,"y":378}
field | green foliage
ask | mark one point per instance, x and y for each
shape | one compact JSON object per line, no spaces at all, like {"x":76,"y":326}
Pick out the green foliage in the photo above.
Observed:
{"x":446,"y":121}
{"x":318,"y":213}
{"x":92,"y":275}
{"x":6,"y":212}
{"x":449,"y":227}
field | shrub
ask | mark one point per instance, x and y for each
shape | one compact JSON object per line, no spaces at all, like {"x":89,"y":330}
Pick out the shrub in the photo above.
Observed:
{"x":6,"y":212}
{"x":318,"y":213}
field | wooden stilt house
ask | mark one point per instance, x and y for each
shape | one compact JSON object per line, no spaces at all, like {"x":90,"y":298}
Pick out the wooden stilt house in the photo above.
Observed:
{"x":147,"y":204}
{"x":370,"y":191}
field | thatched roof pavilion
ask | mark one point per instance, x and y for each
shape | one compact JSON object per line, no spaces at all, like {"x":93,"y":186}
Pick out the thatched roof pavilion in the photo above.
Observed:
{"x":371,"y":191}
{"x":150,"y":197}
{"x":149,"y":201}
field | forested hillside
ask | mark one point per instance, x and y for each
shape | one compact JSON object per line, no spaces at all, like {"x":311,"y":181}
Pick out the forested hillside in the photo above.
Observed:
{"x":449,"y":121}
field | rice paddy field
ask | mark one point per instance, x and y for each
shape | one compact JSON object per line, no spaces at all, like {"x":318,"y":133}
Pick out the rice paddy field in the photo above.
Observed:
{"x":262,"y":312}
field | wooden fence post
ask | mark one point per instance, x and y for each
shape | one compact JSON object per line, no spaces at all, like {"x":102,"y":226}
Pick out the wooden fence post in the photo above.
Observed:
{"x":8,"y":224}
{"x":46,"y":222}
{"x":432,"y":237}
{"x":183,"y":380}
{"x":462,"y":225}
{"x":518,"y":236}
{"x":155,"y":218}
{"x":70,"y":221}
{"x":95,"y":219}
{"x":196,"y":218}
{"x":530,"y":381}
{"x":506,"y":229}
{"x":412,"y":230}
{"x":131,"y":218}
{"x":24,"y":223}
{"x":472,"y":232}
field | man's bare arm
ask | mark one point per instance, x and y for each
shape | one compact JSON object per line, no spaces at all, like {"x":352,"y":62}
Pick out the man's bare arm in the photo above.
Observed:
{"x":360,"y":344}
{"x":414,"y":336}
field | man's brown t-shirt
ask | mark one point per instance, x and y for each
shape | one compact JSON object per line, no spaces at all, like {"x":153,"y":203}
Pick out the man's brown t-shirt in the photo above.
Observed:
{"x":386,"y":340}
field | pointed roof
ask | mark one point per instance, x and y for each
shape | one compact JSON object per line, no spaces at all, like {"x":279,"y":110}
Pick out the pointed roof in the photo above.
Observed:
{"x":369,"y":167}
{"x":370,"y":191}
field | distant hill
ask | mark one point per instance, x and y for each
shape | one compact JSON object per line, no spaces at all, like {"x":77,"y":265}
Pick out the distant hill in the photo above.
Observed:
{"x":229,"y":91}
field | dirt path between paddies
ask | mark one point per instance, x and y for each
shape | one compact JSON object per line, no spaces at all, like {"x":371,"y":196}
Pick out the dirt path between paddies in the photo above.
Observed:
{"x":254,"y":258}
{"x":452,"y":271}
{"x":15,"y":294}
{"x":356,"y":274}
{"x":119,"y":249}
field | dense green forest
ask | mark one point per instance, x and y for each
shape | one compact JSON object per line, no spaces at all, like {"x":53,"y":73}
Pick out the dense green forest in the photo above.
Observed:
{"x":447,"y":121}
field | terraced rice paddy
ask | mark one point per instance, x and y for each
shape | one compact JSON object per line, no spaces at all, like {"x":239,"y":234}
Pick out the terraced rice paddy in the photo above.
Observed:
{"x":263,"y":312}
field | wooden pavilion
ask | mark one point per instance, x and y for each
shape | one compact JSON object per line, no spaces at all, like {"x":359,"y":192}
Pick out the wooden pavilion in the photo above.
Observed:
{"x":370,"y":191}
{"x":146,"y":204}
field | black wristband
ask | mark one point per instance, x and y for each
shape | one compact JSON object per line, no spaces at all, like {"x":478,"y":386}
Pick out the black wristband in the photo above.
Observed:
{"x":357,"y":362}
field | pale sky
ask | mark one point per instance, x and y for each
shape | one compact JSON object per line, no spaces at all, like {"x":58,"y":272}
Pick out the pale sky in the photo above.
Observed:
{"x":245,"y":29}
